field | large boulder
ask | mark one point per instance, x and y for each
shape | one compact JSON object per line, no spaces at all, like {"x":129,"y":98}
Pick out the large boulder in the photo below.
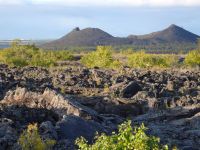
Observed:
{"x":8,"y":135}
{"x":130,"y":90}
{"x":72,"y":127}
{"x":125,"y":90}
{"x":47,"y":130}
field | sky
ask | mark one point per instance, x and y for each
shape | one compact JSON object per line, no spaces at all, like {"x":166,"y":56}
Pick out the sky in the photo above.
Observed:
{"x":52,"y":19}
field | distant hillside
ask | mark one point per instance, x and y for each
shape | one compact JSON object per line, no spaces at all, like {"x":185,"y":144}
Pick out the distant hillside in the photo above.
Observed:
{"x":169,"y":35}
{"x":7,"y":43}
{"x":94,"y":36}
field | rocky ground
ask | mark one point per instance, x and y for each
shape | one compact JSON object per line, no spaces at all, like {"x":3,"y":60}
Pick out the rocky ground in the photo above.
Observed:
{"x":72,"y":101}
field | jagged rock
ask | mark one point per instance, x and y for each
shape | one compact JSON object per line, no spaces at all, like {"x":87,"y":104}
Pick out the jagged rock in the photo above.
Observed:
{"x":49,"y":100}
{"x":170,"y":85}
{"x":140,"y":95}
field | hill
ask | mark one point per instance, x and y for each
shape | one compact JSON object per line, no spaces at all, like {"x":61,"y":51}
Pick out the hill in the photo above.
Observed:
{"x":84,"y":37}
{"x":91,"y":37}
{"x":171,"y":34}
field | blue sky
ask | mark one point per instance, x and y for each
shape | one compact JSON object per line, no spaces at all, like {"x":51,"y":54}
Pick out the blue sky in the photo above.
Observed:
{"x":51,"y":19}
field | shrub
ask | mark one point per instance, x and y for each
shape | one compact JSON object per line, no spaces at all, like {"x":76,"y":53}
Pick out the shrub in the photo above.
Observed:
{"x":127,"y":138}
{"x":31,"y":140}
{"x":143,"y":60}
{"x":193,"y":58}
{"x":62,"y":55}
{"x":24,"y":55}
{"x":18,"y":55}
{"x":116,"y":64}
{"x":102,"y":58}
{"x":127,"y":51}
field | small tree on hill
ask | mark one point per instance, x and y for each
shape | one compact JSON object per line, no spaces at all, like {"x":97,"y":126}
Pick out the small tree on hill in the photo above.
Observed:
{"x":30,"y":139}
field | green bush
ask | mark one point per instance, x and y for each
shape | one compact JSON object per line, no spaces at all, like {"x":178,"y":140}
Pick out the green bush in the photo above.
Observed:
{"x":24,"y":55}
{"x":102,"y":58}
{"x":193,"y":58}
{"x":127,"y":138}
{"x":31,"y":140}
{"x":127,"y":52}
{"x":144,"y":60}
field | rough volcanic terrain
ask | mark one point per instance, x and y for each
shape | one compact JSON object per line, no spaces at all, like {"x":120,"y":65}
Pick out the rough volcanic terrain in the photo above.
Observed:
{"x":72,"y":101}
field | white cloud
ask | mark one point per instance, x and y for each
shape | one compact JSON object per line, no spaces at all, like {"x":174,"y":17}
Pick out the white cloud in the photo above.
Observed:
{"x":120,"y":2}
{"x":11,"y":2}
{"x":162,"y":3}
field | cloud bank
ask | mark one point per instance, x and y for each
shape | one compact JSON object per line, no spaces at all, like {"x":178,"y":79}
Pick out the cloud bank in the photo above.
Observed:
{"x":126,"y":3}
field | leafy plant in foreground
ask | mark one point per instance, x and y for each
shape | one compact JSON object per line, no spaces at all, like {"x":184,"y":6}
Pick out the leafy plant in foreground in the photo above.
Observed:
{"x":127,"y":138}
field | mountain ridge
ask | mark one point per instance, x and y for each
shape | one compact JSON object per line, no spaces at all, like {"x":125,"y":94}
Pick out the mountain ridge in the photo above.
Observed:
{"x":96,"y":36}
